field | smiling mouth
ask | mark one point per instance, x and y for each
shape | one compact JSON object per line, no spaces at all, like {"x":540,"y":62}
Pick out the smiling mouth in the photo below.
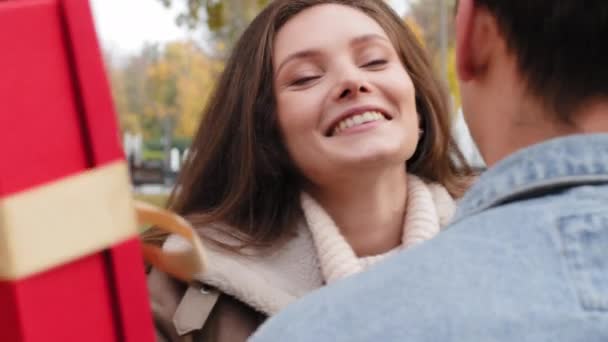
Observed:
{"x":356,"y":120}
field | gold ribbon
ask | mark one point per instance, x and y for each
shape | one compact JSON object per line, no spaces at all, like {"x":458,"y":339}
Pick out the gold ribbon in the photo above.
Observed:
{"x":79,"y":215}
{"x":55,"y":223}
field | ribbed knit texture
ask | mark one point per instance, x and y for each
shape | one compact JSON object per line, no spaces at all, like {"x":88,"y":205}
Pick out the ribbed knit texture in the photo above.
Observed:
{"x":426,"y":205}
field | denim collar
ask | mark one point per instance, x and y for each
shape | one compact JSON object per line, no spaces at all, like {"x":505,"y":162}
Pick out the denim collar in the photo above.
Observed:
{"x":560,"y":162}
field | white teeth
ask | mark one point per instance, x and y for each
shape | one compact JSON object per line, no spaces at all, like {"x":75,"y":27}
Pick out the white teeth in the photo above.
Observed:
{"x":357,"y":120}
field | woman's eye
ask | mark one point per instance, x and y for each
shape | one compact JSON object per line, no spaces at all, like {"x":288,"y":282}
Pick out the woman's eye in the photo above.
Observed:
{"x":303,"y":81}
{"x":375,"y":63}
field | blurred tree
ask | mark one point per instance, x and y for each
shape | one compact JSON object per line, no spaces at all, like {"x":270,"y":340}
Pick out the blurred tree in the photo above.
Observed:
{"x":128,"y":80}
{"x":127,"y":120}
{"x":158,"y":85}
{"x":413,"y":25}
{"x":427,"y":13}
{"x":453,"y":78}
{"x":173,"y":82}
{"x":178,"y":85}
{"x":223,"y":19}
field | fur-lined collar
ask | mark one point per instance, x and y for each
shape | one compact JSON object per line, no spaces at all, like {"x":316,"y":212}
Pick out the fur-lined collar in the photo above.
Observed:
{"x":268,"y":282}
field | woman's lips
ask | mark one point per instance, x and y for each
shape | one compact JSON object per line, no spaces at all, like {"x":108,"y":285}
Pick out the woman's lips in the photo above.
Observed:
{"x":355,"y":116}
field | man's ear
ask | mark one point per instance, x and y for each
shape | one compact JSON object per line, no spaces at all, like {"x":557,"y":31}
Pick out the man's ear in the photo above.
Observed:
{"x":464,"y":30}
{"x":478,"y":40}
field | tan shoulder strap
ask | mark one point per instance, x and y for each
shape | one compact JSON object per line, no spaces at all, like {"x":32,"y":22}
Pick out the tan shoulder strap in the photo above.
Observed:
{"x":194,"y":308}
{"x":181,"y":265}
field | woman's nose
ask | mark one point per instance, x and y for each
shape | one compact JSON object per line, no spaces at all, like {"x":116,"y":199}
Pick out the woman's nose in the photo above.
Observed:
{"x":350,"y":86}
{"x":352,"y":91}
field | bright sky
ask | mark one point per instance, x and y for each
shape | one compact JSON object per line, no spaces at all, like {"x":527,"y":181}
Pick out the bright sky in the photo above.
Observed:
{"x":124,"y":26}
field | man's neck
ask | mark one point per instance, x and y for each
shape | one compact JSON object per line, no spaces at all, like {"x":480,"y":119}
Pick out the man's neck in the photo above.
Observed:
{"x":368,"y":210}
{"x":593,"y":117}
{"x":535,"y":126}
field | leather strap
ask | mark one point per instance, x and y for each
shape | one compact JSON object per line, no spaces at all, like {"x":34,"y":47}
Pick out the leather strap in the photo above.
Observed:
{"x":194,"y":308}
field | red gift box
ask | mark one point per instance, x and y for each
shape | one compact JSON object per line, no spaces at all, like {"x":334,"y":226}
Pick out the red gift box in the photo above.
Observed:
{"x":70,"y":261}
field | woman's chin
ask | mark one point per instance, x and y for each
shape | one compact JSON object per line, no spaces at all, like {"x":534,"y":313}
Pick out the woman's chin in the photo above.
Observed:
{"x":373,"y":150}
{"x":373,"y":156}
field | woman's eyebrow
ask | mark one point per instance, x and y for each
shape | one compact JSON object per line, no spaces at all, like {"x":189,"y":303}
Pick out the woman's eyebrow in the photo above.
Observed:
{"x":298,"y":55}
{"x":367,"y":38}
{"x":314,"y":53}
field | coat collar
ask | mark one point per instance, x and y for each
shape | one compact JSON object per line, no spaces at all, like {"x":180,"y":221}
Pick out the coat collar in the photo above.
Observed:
{"x":267,"y":282}
{"x":270,"y":281}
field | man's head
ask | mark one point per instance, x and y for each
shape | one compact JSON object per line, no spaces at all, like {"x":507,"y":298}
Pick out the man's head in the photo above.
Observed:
{"x":531,"y":70}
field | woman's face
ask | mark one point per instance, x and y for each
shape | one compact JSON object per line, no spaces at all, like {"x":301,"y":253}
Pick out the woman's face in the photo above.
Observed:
{"x":345,"y":101}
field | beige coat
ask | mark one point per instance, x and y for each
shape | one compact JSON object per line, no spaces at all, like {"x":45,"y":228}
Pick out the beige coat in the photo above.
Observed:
{"x":242,"y":290}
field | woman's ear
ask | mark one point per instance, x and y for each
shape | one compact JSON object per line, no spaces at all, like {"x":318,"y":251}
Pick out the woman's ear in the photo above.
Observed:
{"x":464,"y":31}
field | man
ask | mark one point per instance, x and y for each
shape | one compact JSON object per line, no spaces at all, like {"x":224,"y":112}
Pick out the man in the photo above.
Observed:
{"x":526,"y":257}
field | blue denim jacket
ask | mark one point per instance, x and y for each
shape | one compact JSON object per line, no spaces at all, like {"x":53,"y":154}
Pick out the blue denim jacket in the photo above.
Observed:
{"x":526,"y":259}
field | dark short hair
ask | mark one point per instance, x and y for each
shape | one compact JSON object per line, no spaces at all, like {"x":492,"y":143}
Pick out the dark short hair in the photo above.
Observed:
{"x":561,"y":47}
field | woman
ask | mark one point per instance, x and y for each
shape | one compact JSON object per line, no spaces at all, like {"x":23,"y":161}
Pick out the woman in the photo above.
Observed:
{"x":325,"y":149}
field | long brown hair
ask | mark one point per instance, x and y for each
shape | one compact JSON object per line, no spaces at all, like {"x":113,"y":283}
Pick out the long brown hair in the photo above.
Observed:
{"x":239,"y":172}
